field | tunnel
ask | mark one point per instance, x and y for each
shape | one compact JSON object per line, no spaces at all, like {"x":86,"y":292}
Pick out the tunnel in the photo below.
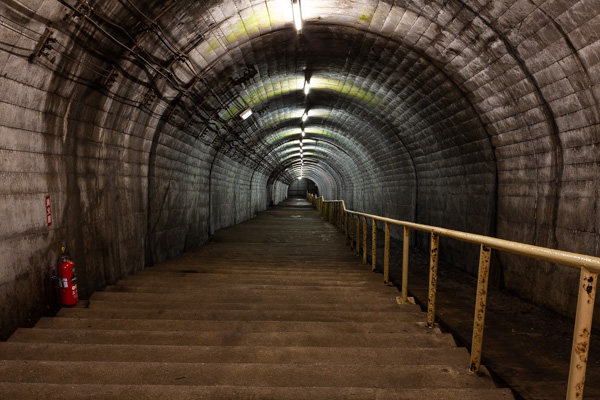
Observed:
{"x":132,"y":130}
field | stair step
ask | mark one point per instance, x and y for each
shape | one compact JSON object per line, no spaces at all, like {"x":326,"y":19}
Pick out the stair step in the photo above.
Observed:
{"x":256,"y":296}
{"x":389,"y":306}
{"x":208,"y":272}
{"x":155,"y":392}
{"x":231,"y":326}
{"x":201,"y":282}
{"x":232,"y":354}
{"x":280,"y":339}
{"x":244,"y":315}
{"x":246,"y":288}
{"x":279,"y":267}
{"x":253,"y":374}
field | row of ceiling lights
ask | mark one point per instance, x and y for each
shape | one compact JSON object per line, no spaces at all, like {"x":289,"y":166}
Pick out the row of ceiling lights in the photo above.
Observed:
{"x":304,"y":119}
{"x":297,"y":11}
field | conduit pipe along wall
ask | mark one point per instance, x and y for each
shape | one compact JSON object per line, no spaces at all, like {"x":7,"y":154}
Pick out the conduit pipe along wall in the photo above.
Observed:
{"x":470,"y":116}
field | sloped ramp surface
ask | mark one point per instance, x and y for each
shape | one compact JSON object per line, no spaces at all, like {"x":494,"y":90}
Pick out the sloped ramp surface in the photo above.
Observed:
{"x":273,"y":308}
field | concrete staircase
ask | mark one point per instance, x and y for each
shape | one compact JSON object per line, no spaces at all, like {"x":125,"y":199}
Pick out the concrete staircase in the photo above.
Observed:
{"x":274,"y":308}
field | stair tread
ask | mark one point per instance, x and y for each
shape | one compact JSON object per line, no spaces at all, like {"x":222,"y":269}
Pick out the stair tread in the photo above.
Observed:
{"x":257,"y":296}
{"x":236,"y":326}
{"x":47,"y":391}
{"x":200,"y":283}
{"x":228,"y":338}
{"x":244,"y":315}
{"x":365,"y":291}
{"x":233,"y":354}
{"x":250,"y":374}
{"x":389,"y":306}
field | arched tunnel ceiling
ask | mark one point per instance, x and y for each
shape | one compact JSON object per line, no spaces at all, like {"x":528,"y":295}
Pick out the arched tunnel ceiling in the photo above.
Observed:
{"x":383,"y":77}
{"x":398,"y":85}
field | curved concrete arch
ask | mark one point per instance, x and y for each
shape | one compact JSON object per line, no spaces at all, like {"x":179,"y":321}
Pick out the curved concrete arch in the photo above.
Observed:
{"x":319,"y":155}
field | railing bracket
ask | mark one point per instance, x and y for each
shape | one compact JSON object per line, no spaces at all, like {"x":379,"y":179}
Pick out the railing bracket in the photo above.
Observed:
{"x":409,"y":300}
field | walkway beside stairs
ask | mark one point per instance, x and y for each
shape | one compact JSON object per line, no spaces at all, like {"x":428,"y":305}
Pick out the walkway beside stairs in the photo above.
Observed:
{"x":274,"y":308}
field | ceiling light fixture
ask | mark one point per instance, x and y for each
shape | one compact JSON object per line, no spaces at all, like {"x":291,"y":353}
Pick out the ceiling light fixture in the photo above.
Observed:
{"x":297,"y":14}
{"x":306,"y":87}
{"x":246,"y":113}
{"x":303,"y":133}
{"x":305,"y":116}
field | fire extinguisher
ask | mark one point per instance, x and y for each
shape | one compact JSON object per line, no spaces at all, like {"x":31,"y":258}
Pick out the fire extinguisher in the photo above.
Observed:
{"x":67,"y":281}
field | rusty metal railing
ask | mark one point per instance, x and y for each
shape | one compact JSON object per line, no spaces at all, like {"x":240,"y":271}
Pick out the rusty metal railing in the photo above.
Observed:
{"x":348,"y":221}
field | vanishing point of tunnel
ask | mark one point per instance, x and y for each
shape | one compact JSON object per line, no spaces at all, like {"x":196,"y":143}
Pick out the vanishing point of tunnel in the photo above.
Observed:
{"x":132,"y":130}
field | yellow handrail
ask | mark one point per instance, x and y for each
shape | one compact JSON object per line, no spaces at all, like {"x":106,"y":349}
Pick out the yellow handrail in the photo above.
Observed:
{"x":335,"y":212}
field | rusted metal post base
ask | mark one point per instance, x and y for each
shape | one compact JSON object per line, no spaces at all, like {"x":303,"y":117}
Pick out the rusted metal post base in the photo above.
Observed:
{"x":581,"y":336}
{"x":480,"y":305}
{"x":433,"y":266}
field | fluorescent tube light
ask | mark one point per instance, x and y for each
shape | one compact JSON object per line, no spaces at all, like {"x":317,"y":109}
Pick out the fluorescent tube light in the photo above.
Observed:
{"x":297,"y":14}
{"x":247,"y":113}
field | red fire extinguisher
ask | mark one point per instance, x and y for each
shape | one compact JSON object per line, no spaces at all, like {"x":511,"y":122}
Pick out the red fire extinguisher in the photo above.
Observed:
{"x":67,"y":281}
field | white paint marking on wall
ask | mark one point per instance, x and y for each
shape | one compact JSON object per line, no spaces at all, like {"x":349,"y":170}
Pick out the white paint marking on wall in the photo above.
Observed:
{"x":66,"y":120}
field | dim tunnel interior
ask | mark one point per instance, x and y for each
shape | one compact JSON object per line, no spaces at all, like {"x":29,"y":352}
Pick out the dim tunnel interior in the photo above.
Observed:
{"x":129,"y":117}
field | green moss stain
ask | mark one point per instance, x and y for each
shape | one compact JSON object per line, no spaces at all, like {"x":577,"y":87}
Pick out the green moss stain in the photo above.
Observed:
{"x":367,"y":16}
{"x":212,"y":45}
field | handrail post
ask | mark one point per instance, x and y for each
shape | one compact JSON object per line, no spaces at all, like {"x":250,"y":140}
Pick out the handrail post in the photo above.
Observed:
{"x":332,"y":214}
{"x":364,"y":240}
{"x":374,"y":246}
{"x":480,"y":305}
{"x":346,"y":228}
{"x":386,"y":255}
{"x":351,"y":229}
{"x":581,"y":335}
{"x":405,"y":265}
{"x":433,"y":266}
{"x":358,"y":235}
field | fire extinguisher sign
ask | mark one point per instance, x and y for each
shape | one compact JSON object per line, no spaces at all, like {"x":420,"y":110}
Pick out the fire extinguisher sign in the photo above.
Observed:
{"x":48,"y":211}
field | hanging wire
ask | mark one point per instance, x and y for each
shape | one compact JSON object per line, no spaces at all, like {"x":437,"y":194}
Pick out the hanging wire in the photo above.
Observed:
{"x":104,"y":72}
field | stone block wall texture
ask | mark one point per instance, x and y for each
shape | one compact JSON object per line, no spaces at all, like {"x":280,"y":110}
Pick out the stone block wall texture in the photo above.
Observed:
{"x":127,"y":189}
{"x":481,"y":116}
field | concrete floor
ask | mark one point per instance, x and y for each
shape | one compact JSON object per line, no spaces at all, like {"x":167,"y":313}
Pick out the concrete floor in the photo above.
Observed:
{"x":273,"y":308}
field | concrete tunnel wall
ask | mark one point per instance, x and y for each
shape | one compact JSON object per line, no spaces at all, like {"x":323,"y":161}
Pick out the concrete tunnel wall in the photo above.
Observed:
{"x":476,"y":116}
